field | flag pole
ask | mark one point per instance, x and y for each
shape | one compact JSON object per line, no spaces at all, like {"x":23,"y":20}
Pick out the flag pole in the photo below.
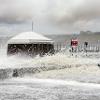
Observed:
{"x":32,"y":26}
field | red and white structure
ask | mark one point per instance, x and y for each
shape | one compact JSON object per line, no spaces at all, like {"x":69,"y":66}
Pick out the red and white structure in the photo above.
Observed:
{"x":74,"y":43}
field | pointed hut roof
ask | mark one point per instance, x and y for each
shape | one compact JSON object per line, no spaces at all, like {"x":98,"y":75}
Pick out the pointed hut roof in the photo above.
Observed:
{"x":29,"y":37}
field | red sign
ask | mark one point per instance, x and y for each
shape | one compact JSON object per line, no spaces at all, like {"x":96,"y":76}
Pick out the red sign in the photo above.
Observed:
{"x":74,"y":42}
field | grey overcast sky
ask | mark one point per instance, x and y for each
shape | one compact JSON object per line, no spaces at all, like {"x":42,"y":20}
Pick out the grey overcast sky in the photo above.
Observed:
{"x":49,"y":16}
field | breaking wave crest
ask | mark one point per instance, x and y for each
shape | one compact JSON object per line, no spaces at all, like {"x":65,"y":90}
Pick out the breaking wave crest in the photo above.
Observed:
{"x":79,"y":67}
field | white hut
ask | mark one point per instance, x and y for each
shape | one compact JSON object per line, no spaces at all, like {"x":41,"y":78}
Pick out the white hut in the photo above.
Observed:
{"x":30,"y":43}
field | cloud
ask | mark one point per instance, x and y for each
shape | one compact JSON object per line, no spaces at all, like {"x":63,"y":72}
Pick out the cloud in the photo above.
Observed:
{"x":52,"y":15}
{"x":21,"y":10}
{"x":77,"y":13}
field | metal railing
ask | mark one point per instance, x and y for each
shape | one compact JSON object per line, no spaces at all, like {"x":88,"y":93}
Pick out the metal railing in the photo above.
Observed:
{"x":80,"y":48}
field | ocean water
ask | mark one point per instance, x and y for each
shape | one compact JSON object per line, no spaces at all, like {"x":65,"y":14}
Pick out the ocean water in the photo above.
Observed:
{"x":47,"y":89}
{"x":57,"y":77}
